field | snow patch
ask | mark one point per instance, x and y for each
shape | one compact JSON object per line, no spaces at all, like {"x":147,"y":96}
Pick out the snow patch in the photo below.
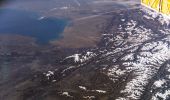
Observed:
{"x":82,"y":87}
{"x":82,"y":57}
{"x":100,"y":91}
{"x":49,"y":74}
{"x":159,"y":83}
{"x":122,"y":20}
{"x":162,"y":95}
{"x":66,"y":94}
{"x":89,"y":97}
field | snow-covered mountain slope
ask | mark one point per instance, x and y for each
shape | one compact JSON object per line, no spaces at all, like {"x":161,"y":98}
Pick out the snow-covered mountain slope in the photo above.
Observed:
{"x":131,"y":62}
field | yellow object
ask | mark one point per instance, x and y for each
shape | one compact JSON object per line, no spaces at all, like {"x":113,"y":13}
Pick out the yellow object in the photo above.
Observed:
{"x":162,"y":6}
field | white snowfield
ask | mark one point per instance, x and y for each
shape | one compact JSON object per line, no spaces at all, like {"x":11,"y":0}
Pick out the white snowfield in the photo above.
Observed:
{"x":139,"y":51}
{"x":82,"y":58}
{"x":85,"y":89}
{"x":66,"y":94}
{"x":142,"y":57}
{"x":82,"y":87}
{"x":159,"y":83}
{"x":153,"y":52}
{"x":145,"y":53}
{"x":49,"y":74}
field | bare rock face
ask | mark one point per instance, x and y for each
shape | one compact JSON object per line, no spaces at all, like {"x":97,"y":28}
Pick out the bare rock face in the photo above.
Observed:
{"x":131,"y":62}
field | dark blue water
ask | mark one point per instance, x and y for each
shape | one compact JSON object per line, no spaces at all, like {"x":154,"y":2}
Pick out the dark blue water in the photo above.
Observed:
{"x":27,"y":24}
